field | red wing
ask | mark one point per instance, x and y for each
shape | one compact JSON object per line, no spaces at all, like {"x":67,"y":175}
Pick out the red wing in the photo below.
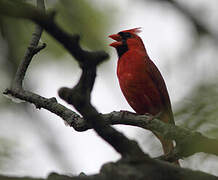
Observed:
{"x":161,"y":86}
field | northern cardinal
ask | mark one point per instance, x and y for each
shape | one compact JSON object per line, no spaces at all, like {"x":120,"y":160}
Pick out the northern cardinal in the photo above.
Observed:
{"x":140,"y":80}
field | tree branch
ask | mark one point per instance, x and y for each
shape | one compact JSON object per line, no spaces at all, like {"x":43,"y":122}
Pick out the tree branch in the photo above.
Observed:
{"x":80,"y":95}
{"x":188,"y":142}
{"x":128,"y":170}
{"x":30,"y":52}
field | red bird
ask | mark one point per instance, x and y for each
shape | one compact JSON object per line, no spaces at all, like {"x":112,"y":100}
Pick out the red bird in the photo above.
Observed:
{"x":140,"y":80}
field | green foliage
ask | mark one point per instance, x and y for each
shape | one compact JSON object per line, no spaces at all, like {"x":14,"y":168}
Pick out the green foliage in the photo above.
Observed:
{"x":200,"y":112}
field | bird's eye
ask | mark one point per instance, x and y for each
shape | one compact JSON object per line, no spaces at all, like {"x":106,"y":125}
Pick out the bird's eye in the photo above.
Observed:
{"x":125,"y":35}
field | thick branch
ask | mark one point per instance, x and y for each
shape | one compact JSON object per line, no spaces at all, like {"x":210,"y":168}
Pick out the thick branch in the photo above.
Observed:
{"x":133,"y":170}
{"x":49,"y":104}
{"x":189,"y":142}
{"x":79,"y":97}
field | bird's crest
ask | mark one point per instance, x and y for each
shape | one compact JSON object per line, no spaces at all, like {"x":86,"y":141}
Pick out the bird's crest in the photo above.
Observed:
{"x":134,"y":30}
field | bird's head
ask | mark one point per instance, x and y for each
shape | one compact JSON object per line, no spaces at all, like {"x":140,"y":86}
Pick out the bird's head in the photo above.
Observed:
{"x":127,"y":40}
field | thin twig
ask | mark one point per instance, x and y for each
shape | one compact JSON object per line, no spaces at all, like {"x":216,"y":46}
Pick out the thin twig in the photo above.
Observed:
{"x":30,"y":52}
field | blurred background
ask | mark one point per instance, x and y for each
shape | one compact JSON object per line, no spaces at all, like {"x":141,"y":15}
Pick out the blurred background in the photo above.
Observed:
{"x":181,"y":38}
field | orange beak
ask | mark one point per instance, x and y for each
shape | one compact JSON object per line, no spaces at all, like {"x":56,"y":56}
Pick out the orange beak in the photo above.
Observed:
{"x":118,"y":40}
